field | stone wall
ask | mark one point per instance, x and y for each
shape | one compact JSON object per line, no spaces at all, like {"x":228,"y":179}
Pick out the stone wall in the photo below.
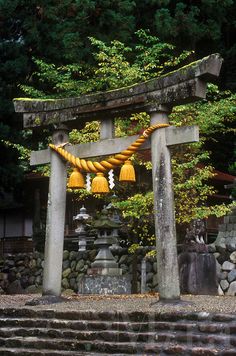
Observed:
{"x":23,"y":273}
{"x":224,"y":250}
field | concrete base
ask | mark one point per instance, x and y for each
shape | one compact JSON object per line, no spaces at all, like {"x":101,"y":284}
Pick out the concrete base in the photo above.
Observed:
{"x":98,"y":284}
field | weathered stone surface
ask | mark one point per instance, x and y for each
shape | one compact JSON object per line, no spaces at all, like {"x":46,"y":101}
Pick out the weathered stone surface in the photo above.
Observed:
{"x":232,"y":289}
{"x":232,"y":275}
{"x":233,"y":257}
{"x":65,"y":264}
{"x":73,"y":265}
{"x":211,"y":248}
{"x":66,"y":255}
{"x":105,"y":285}
{"x":224,"y":284}
{"x":66,"y":272}
{"x":197,"y":273}
{"x":176,"y":88}
{"x":123,"y":259}
{"x":65,"y":283}
{"x":231,"y":246}
{"x":79,"y":265}
{"x":223,"y":275}
{"x":221,"y":247}
{"x":73,"y":255}
{"x":228,"y":266}
{"x":220,"y":291}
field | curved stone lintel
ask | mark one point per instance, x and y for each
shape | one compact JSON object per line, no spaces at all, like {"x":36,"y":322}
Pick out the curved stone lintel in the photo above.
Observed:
{"x":178,"y":87}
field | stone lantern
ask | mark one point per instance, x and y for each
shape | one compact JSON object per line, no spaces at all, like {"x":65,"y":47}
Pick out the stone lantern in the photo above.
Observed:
{"x":104,"y":276}
{"x":82,"y":228}
{"x":107,"y":230}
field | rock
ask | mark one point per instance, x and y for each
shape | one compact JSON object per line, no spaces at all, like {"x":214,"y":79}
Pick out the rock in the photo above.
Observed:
{"x":66,"y":273}
{"x":73,"y":265}
{"x":79,"y":277}
{"x":221,"y":247}
{"x":73,"y":274}
{"x":228,"y":266}
{"x":223,"y":275}
{"x":218,"y":268}
{"x":32,"y":264}
{"x":232,"y":275}
{"x":33,"y":289}
{"x":15,"y":288}
{"x":65,"y":283}
{"x":211,"y":248}
{"x":231,"y":246}
{"x":155,"y":267}
{"x":20,"y":263}
{"x":123,"y":259}
{"x":72,"y":283}
{"x":233,"y":257}
{"x":66,"y":255}
{"x":1,"y":291}
{"x":79,"y":265}
{"x":3,"y":276}
{"x":38,"y":272}
{"x":216,"y":254}
{"x":232,"y":289}
{"x":73,"y":255}
{"x":31,"y":280}
{"x":38,"y":280}
{"x":39,"y":262}
{"x":220,"y":291}
{"x":224,"y":284}
{"x":65,"y":264}
{"x":92,"y":254}
{"x":68,"y":292}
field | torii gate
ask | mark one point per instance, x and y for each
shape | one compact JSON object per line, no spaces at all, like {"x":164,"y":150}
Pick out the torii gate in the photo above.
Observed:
{"x":157,"y":97}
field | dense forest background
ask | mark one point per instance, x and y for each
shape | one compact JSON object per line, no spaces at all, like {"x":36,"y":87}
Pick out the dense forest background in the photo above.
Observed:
{"x":59,"y":32}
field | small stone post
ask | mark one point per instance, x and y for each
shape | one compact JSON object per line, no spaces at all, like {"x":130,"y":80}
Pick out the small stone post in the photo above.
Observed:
{"x":53,"y":254}
{"x":167,"y":262}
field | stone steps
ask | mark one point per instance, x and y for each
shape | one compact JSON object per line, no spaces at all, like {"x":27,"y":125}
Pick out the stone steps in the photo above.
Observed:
{"x":29,"y":331}
{"x":9,"y":334}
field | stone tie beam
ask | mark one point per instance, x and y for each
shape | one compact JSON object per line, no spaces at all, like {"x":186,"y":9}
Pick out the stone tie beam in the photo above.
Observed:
{"x":156,"y":96}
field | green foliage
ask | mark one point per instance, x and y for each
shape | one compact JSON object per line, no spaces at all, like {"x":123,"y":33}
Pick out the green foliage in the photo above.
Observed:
{"x":115,"y":65}
{"x":137,"y":211}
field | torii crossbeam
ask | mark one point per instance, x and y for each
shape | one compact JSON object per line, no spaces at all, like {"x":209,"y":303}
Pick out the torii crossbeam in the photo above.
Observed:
{"x":157,"y":97}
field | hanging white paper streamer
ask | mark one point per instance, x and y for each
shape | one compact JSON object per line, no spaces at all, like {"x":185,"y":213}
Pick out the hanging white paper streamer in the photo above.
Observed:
{"x":111,"y":179}
{"x":88,"y":182}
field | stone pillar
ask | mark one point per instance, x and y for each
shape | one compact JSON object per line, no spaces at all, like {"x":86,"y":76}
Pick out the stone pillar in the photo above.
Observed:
{"x":167,"y":262}
{"x":107,"y":129}
{"x":53,"y":254}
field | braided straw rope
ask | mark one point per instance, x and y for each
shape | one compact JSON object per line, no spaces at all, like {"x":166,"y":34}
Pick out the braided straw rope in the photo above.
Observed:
{"x":110,"y":163}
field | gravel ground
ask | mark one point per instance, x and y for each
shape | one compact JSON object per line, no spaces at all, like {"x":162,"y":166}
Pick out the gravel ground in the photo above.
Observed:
{"x":146,"y":302}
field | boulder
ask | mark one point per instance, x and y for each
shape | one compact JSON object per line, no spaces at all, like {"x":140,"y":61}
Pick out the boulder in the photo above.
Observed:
{"x":233,"y":257}
{"x":232,"y":275}
{"x":228,"y":266}
{"x":224,"y":284}
{"x":232,"y":289}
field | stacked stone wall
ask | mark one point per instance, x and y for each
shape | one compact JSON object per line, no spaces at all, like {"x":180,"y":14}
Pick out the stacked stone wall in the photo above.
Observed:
{"x":224,"y":250}
{"x":23,"y":273}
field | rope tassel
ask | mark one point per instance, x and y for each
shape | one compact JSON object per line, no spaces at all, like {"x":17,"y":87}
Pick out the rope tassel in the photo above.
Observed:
{"x":76,"y":180}
{"x":127,"y":172}
{"x":100,"y":184}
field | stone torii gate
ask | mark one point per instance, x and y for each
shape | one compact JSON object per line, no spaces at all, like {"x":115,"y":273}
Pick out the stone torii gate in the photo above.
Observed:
{"x":157,"y":97}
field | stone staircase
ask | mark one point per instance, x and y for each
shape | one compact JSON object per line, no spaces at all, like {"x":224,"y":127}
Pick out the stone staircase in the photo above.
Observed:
{"x":37,"y":332}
